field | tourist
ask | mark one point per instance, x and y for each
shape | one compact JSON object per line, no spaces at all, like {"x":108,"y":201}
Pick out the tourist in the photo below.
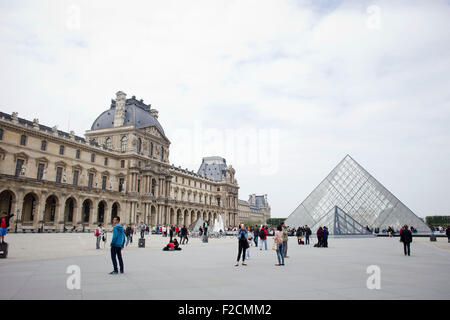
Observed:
{"x":278,"y":241}
{"x":200,"y":231}
{"x":447,"y":232}
{"x":263,"y":237}
{"x":285,"y":239}
{"x":319,"y":237}
{"x":98,"y":234}
{"x":171,"y":233}
{"x":117,"y":244}
{"x":169,"y":247}
{"x":256,"y":235}
{"x":249,"y":239}
{"x":142,"y":228}
{"x":184,"y":235}
{"x":177,"y":231}
{"x":406,"y":238}
{"x":4,"y":224}
{"x":325,"y":237}
{"x":129,"y":234}
{"x":242,"y":244}
{"x":176,"y":244}
{"x":308,"y":233}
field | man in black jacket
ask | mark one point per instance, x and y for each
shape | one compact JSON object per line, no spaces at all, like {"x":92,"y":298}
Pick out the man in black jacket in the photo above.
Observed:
{"x":406,"y":238}
{"x":256,"y":235}
{"x":184,"y":235}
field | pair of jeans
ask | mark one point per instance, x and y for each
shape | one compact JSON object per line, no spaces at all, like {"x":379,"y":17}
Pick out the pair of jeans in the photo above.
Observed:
{"x":261,"y":243}
{"x":248,"y":251}
{"x":128,"y":240}
{"x":99,"y":238}
{"x":280,"y":253}
{"x":307,"y":239}
{"x":117,"y":252}
{"x":241,"y":249}
{"x":256,"y":241}
{"x":142,"y":234}
{"x":407,"y":248}
{"x":183,"y":239}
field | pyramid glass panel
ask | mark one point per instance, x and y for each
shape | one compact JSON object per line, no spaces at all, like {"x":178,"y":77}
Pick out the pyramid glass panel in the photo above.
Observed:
{"x":361,"y":201}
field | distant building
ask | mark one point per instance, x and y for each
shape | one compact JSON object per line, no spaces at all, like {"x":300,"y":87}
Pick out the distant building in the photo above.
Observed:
{"x":256,"y":209}
{"x":54,"y":180}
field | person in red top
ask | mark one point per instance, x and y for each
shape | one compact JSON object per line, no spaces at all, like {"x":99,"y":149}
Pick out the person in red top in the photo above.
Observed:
{"x":4,"y":224}
{"x":263,"y":237}
{"x":177,"y":230}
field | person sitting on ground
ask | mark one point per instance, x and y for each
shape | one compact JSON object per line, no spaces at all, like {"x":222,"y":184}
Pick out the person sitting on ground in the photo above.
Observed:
{"x":176,"y":244}
{"x":170,"y":246}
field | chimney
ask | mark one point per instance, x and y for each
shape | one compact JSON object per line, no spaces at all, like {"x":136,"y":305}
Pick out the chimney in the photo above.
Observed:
{"x":154,"y":113}
{"x":119,"y":112}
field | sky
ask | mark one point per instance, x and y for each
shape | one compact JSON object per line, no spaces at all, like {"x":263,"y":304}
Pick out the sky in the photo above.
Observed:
{"x":282,"y":89}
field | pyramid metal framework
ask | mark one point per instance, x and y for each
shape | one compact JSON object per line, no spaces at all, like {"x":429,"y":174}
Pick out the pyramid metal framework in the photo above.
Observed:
{"x":359,"y":196}
{"x":342,"y":223}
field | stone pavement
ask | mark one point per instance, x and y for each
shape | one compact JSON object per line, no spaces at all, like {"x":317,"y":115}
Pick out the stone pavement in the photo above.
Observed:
{"x":37,"y":264}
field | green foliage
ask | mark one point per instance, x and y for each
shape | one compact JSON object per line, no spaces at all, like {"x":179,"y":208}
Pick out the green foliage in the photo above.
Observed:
{"x":273,"y":222}
{"x":437,"y":220}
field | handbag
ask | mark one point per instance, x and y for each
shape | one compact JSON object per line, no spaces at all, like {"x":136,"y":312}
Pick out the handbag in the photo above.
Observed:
{"x":246,"y":244}
{"x":274,"y":246}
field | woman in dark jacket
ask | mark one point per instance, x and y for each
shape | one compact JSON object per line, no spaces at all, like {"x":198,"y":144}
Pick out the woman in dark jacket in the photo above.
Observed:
{"x":320,"y":237}
{"x":242,"y":244}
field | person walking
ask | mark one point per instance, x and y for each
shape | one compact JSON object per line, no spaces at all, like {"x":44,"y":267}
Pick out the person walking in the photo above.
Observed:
{"x":278,"y":240}
{"x":406,"y":238}
{"x":184,"y":235}
{"x":256,"y":235}
{"x":242,"y":244}
{"x":263,"y":237}
{"x":285,"y":239}
{"x":307,"y":234}
{"x":142,"y":228}
{"x":117,"y":244}
{"x":325,"y":237}
{"x":98,"y":234}
{"x":128,"y":234}
{"x":447,"y":232}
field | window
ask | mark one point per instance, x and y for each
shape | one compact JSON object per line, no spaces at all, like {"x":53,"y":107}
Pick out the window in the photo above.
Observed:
{"x":104,"y":178}
{"x":153,"y":186}
{"x":121,"y":184}
{"x":139,"y":164}
{"x":23,"y":140}
{"x":106,"y":161}
{"x":40,"y":172}
{"x":77,"y":154}
{"x":162,"y":153}
{"x":75,"y":177}
{"x":61,"y":150}
{"x":108,"y":143}
{"x":43,"y":145}
{"x":139,"y":145}
{"x":93,"y":157}
{"x":1,"y":134}
{"x":19,"y":165}
{"x":123,"y":144}
{"x":122,"y":163}
{"x":151,"y":149}
{"x":139,"y":186}
{"x":59,"y":174}
{"x":91,"y":180}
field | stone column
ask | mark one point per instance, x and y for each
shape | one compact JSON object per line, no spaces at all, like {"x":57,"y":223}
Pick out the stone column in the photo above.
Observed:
{"x":107,"y":219}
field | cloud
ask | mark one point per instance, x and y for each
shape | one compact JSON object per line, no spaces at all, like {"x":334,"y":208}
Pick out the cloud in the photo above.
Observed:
{"x":314,"y":71}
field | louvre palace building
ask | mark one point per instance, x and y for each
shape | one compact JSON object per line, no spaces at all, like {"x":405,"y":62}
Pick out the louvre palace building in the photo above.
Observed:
{"x":54,"y":180}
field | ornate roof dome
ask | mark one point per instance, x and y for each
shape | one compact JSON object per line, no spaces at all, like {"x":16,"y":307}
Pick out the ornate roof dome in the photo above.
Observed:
{"x":137,"y":113}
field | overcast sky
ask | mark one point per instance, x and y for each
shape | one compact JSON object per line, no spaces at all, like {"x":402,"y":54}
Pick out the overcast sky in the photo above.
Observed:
{"x":282,"y":89}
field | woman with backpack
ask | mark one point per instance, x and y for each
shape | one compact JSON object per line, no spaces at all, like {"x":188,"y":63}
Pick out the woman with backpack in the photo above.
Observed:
{"x":242,"y":244}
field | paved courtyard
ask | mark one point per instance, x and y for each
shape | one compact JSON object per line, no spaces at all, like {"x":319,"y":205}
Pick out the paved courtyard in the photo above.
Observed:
{"x":37,"y":263}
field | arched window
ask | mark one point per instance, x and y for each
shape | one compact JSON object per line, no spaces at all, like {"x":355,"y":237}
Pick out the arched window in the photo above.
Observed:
{"x":139,"y":145}
{"x":162,"y":153}
{"x":151,"y":149}
{"x":108,"y":143}
{"x":123,"y":144}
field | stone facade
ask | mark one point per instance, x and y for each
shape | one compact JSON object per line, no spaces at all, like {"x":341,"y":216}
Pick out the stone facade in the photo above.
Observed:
{"x":255,"y":210}
{"x":54,"y":180}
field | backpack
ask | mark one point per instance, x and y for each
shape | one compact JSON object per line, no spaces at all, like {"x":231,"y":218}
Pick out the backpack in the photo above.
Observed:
{"x":262,"y":234}
{"x":96,"y":232}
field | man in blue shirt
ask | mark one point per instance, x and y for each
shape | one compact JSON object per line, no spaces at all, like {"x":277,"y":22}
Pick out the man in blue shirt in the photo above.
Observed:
{"x":117,"y":244}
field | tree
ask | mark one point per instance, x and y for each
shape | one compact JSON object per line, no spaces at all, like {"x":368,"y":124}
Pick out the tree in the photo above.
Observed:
{"x":274,"y":221}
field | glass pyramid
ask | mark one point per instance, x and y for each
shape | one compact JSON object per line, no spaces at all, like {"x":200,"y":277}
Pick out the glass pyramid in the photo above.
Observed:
{"x":359,"y":198}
